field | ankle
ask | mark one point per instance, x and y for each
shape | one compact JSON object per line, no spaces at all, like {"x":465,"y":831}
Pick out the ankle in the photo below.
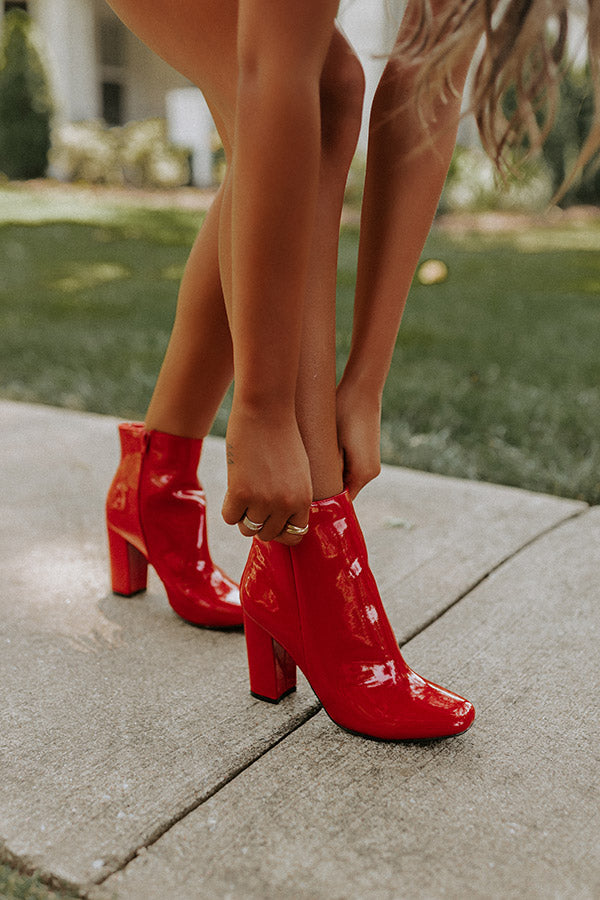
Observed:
{"x":175,"y":427}
{"x":327,"y":480}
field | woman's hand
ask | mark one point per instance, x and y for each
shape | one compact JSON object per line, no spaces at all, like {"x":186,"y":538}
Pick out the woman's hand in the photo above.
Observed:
{"x":358,"y":426}
{"x":268,"y":474}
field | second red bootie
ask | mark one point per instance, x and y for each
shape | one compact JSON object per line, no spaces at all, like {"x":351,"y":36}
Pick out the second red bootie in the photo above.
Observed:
{"x":156,"y":513}
{"x":316,"y":605}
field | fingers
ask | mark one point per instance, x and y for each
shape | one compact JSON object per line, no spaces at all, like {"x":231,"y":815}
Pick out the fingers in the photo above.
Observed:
{"x":269,"y":485}
{"x":252,"y":518}
{"x":294,"y":530}
{"x":257,"y":520}
{"x":249,"y":527}
{"x":358,"y":473}
{"x":234,"y":509}
{"x":353,"y":489}
{"x":276,"y":528}
{"x":352,"y":483}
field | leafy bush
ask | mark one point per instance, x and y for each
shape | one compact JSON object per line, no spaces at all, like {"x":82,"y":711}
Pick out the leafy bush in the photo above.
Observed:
{"x":473,"y":184}
{"x":148,"y":159}
{"x":14,"y":886}
{"x":25,"y":101}
{"x":138,"y":154}
{"x":572,"y":125}
{"x":86,"y":151}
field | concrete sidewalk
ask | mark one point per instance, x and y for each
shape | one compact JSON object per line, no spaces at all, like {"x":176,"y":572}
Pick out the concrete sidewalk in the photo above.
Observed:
{"x":136,"y":765}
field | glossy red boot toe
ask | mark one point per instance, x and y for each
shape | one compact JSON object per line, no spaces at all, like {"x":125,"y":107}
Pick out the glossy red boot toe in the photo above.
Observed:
{"x":410,"y":708}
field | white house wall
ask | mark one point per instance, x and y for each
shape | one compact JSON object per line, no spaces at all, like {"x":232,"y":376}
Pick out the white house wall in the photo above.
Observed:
{"x":68,"y":27}
{"x":68,"y":33}
{"x":147,"y":81}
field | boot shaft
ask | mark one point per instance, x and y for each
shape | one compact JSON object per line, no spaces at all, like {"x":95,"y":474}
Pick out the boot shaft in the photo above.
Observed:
{"x":122,"y":502}
{"x":172,"y":459}
{"x":154,"y":467}
{"x":320,"y":600}
{"x":156,"y":513}
{"x":338,"y":590}
{"x":268,"y":593}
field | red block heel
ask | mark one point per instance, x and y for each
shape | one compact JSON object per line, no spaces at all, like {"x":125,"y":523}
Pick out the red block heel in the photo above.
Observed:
{"x":156,"y":513}
{"x":272,"y":669}
{"x":128,"y":567}
{"x":319,"y":600}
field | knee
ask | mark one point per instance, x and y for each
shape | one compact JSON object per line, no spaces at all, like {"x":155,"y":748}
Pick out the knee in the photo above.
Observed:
{"x":342,"y":95}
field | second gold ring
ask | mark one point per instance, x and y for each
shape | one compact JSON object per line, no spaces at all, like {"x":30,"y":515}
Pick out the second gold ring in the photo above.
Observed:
{"x":250,"y":525}
{"x":296,"y":529}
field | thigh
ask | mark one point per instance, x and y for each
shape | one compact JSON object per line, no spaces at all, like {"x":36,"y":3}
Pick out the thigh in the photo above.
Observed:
{"x":196,"y":37}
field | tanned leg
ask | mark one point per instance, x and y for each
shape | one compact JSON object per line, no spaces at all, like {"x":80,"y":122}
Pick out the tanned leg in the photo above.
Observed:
{"x":342,"y":90}
{"x":198,"y":365}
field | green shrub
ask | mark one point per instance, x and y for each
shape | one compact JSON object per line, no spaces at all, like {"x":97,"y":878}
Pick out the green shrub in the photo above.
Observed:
{"x":137,"y":154}
{"x":219,"y":162}
{"x":25,"y":101}
{"x":86,"y":151}
{"x":572,"y":125}
{"x":14,"y":886}
{"x":149,"y":159}
{"x":474,"y":185}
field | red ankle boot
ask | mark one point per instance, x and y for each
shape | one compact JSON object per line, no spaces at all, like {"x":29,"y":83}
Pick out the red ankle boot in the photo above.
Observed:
{"x":317,"y":605}
{"x":156,"y":513}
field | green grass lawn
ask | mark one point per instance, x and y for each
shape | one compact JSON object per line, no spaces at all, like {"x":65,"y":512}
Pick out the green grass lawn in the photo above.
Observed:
{"x":14,"y":886}
{"x":496,"y":374}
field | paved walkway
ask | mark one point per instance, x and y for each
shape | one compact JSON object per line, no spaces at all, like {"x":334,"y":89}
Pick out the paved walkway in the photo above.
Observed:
{"x":136,"y":765}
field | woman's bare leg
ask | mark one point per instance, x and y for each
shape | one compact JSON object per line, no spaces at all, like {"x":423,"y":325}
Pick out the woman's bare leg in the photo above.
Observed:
{"x":342,"y":90}
{"x":198,"y":364}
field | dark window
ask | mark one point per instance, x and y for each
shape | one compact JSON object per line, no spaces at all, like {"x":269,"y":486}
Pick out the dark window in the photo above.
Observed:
{"x":15,"y":4}
{"x":112,"y":102}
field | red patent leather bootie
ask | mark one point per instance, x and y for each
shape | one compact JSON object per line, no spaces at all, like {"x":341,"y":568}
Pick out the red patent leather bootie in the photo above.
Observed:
{"x":316,"y":605}
{"x":156,"y":513}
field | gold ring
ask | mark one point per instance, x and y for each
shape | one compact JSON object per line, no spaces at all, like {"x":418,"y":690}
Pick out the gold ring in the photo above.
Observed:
{"x":296,"y":529}
{"x":250,"y":525}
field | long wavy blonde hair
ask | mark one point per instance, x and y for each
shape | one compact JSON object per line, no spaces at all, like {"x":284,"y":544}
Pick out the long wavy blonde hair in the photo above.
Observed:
{"x":524,"y":53}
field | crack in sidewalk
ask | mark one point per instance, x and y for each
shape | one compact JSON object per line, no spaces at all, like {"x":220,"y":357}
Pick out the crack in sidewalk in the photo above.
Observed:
{"x":502,"y":562}
{"x":223,"y":782}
